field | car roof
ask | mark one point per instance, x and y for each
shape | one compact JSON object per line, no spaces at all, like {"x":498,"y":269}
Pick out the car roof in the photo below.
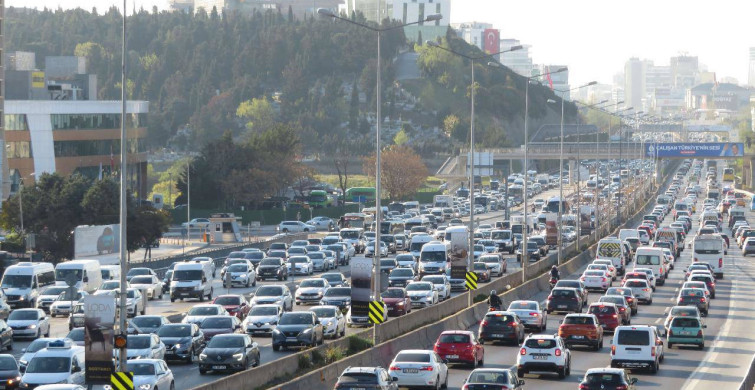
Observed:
{"x":542,"y":336}
{"x":607,"y":370}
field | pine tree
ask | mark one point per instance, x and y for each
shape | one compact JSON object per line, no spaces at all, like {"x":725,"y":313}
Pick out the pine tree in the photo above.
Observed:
{"x":290,"y":14}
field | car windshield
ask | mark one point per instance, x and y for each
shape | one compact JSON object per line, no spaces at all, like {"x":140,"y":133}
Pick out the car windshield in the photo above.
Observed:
{"x":434,"y":279}
{"x":414,"y":357}
{"x":141,"y":368}
{"x":604,"y":379}
{"x":523,"y":306}
{"x":203,"y":311}
{"x":76,"y":334}
{"x":405,"y":258}
{"x":332,"y":278}
{"x":64,"y":274}
{"x":454,"y":338}
{"x":683,"y":312}
{"x":492,"y":377}
{"x":633,"y":337}
{"x":691,"y":293}
{"x":23,"y":315}
{"x":499,"y":318}
{"x":648,"y":260}
{"x":316,"y":255}
{"x":142,"y":280}
{"x":36,"y":345}
{"x":148,"y":322}
{"x":269,"y":291}
{"x":296,"y":319}
{"x":217,"y":323}
{"x":226,"y":342}
{"x":392,"y":293}
{"x":138,"y":271}
{"x":578,"y":320}
{"x":636,"y":283}
{"x":480,"y":266}
{"x":562,"y":293}
{"x":263,"y":311}
{"x":138,"y":342}
{"x":540,"y":343}
{"x":228,"y":300}
{"x":404,"y":272}
{"x":53,"y":290}
{"x":338,"y":292}
{"x":16,"y":281}
{"x":107,"y":286}
{"x":432,"y":257}
{"x":237,"y":268}
{"x":324,"y":312}
{"x":313,"y":283}
{"x":600,"y":309}
{"x":174,"y":330}
{"x":49,"y":364}
{"x":363,"y":378}
{"x":236,"y":255}
{"x":419,"y":287}
{"x":298,"y":260}
{"x":274,"y":262}
{"x":682,"y":322}
{"x":182,"y":275}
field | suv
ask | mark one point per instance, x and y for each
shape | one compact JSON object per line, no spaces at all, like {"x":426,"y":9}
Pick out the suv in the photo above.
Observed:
{"x":581,"y":329}
{"x":575,"y":284}
{"x":563,"y":299}
{"x":361,"y":377}
{"x":638,"y":346}
{"x":607,"y":379}
{"x":544,"y":353}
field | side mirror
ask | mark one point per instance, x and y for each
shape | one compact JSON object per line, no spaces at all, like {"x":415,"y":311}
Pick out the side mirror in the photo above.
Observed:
{"x":633,"y":381}
{"x":75,"y":369}
{"x":659,"y":342}
{"x":726,"y":252}
{"x":86,"y":279}
{"x":23,"y":350}
{"x":521,"y":382}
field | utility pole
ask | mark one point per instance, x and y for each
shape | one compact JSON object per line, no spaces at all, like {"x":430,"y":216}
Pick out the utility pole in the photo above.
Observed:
{"x":122,"y":357}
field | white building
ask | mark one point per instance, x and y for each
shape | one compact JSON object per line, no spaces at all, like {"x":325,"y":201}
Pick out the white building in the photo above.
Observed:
{"x":559,"y":81}
{"x":520,"y":61}
{"x":751,"y":74}
{"x":472,"y":32}
{"x":408,"y":11}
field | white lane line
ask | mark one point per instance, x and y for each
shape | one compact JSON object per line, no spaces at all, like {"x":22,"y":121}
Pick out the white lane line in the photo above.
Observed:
{"x":658,"y":321}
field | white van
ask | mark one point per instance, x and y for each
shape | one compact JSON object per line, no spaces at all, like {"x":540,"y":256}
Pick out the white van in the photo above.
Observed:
{"x":415,"y":246}
{"x":611,"y":248}
{"x":636,"y":347}
{"x":433,"y":258}
{"x":628,"y":233}
{"x":87,"y":273}
{"x":110,"y":272}
{"x":60,"y":362}
{"x":22,"y":282}
{"x":709,"y":248}
{"x":652,"y":258}
{"x":191,"y":279}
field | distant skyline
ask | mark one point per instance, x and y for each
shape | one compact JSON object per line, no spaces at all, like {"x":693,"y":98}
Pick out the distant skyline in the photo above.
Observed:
{"x":594,"y":39}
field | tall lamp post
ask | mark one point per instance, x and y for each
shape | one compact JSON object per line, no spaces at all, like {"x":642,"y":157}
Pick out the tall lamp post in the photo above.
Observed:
{"x":621,"y":195}
{"x":470,"y":252}
{"x":378,"y":208}
{"x":579,"y":178}
{"x":597,"y":169}
{"x":122,"y":250}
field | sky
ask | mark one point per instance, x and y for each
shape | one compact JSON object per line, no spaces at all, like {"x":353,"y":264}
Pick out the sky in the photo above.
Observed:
{"x":593,"y":37}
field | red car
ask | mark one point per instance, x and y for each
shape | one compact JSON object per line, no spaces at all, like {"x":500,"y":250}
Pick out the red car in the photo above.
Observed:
{"x":607,"y":313}
{"x":235,"y":304}
{"x":460,"y":346}
{"x":397,"y":301}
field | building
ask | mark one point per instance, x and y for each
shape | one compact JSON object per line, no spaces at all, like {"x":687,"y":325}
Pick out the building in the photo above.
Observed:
{"x":64,"y":78}
{"x":373,"y":10}
{"x":20,"y":60}
{"x":185,"y":6}
{"x":408,"y":11}
{"x":718,"y":97}
{"x":634,"y":83}
{"x":685,"y":71}
{"x":556,"y":81}
{"x":472,"y":32}
{"x":5,"y":186}
{"x":520,"y":61}
{"x":46,"y":136}
{"x":751,"y":73}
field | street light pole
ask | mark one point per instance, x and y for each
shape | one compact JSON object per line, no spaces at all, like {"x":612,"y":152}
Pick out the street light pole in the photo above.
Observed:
{"x":122,"y":357}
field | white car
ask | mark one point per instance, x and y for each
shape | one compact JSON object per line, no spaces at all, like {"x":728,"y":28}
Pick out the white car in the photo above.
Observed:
{"x":146,"y":324}
{"x":494,"y":263}
{"x":262,"y":319}
{"x":609,"y":266}
{"x":319,"y":261}
{"x":422,"y":294}
{"x":300,"y":265}
{"x":108,"y":286}
{"x":134,"y":301}
{"x":32,"y":323}
{"x":636,"y":347}
{"x":63,"y":304}
{"x":311,"y":290}
{"x":330,"y":259}
{"x":151,"y":374}
{"x":48,"y":296}
{"x":651,"y":276}
{"x":332,"y":319}
{"x":544,"y":353}
{"x":242,"y":274}
{"x":273,"y":294}
{"x":150,"y":285}
{"x":531,"y":314}
{"x":641,"y":290}
{"x":322,"y":223}
{"x":295,"y":227}
{"x":198,"y":313}
{"x":370,"y":249}
{"x":29,"y":352}
{"x":441,"y":283}
{"x":416,"y":367}
{"x":596,"y":279}
{"x":197,"y":223}
{"x":670,"y":257}
{"x":144,"y":346}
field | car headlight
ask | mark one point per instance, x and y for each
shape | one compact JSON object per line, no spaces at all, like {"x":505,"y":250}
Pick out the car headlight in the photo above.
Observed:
{"x":22,"y":298}
{"x":273,"y":322}
{"x":202,"y":356}
{"x":32,"y":326}
{"x":238,"y":356}
{"x":243,"y":276}
{"x":276,"y":331}
{"x":197,"y":287}
{"x":14,"y":380}
{"x":145,"y":386}
{"x":177,"y":346}
{"x":306,"y":331}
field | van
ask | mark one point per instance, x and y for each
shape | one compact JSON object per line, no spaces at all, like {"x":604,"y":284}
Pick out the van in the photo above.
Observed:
{"x":87,"y":274}
{"x":354,"y":237}
{"x":110,"y":272}
{"x":636,"y":347}
{"x":191,"y":279}
{"x":628,"y":233}
{"x":670,"y":235}
{"x":433,"y":258}
{"x":60,"y":362}
{"x":710,"y":215}
{"x":611,"y":248}
{"x":709,"y":248}
{"x":652,"y":258}
{"x":23,"y":282}
{"x":415,"y":246}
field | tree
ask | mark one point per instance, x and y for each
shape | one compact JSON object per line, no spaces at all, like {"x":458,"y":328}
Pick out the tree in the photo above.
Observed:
{"x":402,"y":171}
{"x":401,"y":138}
{"x":258,"y":113}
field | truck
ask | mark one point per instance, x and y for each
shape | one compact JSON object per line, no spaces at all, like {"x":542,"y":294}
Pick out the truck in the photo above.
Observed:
{"x":443,"y":201}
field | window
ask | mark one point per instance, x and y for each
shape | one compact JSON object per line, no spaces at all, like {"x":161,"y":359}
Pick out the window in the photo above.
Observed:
{"x":95,"y":147}
{"x":16,"y":122}
{"x":95,"y":121}
{"x":633,"y":337}
{"x":19,"y":149}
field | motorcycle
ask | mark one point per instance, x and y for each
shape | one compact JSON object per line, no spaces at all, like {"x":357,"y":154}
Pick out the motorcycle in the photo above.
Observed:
{"x":553,"y":282}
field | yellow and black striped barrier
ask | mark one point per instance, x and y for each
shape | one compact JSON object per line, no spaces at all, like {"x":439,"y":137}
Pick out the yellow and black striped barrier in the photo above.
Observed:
{"x":377,"y":312}
{"x":471,"y":281}
{"x":122,"y":380}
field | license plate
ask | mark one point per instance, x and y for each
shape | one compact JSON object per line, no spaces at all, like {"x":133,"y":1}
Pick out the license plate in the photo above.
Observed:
{"x":686,"y":333}
{"x":498,"y":335}
{"x":633,"y":352}
{"x":452,"y":356}
{"x":578,"y":337}
{"x":218,"y":367}
{"x":410,"y":371}
{"x":183,"y":294}
{"x":562,"y":306}
{"x":540,"y":357}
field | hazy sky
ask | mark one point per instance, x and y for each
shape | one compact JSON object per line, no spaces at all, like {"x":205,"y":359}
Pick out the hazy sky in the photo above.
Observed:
{"x":594,"y":38}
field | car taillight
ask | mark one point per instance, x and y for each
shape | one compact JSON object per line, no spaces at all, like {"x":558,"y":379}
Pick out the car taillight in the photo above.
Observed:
{"x":604,"y":279}
{"x":670,"y":332}
{"x":558,"y":351}
{"x":534,"y":314}
{"x":522,"y":351}
{"x":702,"y":299}
{"x":613,"y":350}
{"x":700,"y":333}
{"x":720,"y":262}
{"x":483,"y":323}
{"x":582,"y":386}
{"x":621,"y":387}
{"x":695,"y":259}
{"x":615,"y":316}
{"x":652,"y":351}
{"x":426,"y":368}
{"x":645,"y":289}
{"x":394,"y":368}
{"x":512,"y":323}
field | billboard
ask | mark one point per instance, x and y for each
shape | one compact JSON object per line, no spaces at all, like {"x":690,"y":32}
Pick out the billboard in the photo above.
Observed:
{"x":551,"y":230}
{"x":93,"y":240}
{"x":99,"y":317}
{"x":492,"y":40}
{"x":361,"y":285}
{"x":458,"y":250}
{"x":688,"y":150}
{"x":37,"y":79}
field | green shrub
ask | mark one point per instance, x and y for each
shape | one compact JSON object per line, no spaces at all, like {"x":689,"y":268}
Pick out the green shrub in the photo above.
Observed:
{"x":358,"y":344}
{"x":305,"y":361}
{"x":333,"y":354}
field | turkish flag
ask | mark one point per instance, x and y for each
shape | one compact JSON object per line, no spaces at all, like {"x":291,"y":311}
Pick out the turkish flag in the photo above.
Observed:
{"x":492,"y":40}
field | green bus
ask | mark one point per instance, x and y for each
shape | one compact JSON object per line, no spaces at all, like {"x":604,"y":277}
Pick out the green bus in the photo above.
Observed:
{"x":360,"y":194}
{"x":319,"y":199}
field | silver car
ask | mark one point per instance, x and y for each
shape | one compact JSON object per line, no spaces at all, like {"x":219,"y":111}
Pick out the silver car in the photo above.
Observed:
{"x":531,"y":314}
{"x":641,"y":289}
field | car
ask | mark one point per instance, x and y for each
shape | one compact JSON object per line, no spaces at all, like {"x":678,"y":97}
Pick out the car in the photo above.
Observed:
{"x":641,"y":290}
{"x":149,"y":285}
{"x":577,"y":285}
{"x":397,"y":300}
{"x":628,"y":295}
{"x":686,"y":330}
{"x":273,"y":294}
{"x":198,"y":313}
{"x":29,"y":352}
{"x":336,"y":279}
{"x":139,"y":271}
{"x":370,"y":249}
{"x":63,"y":304}
{"x":298,"y":329}
{"x":197,"y":223}
{"x":408,"y":369}
{"x":544,"y":353}
{"x":492,"y":378}
{"x":229,"y":352}
{"x":501,"y":326}
{"x":322,"y":223}
{"x":625,"y":313}
{"x":637,"y":347}
{"x":495,"y":263}
{"x":295,"y":227}
{"x":531,"y":314}
{"x":146,"y":324}
{"x":134,"y":301}
{"x":310,"y":291}
{"x":262,"y":319}
{"x":376,"y":378}
{"x":77,"y":336}
{"x":272,"y":268}
{"x":320,"y":263}
{"x":332,"y":320}
{"x":482,"y":271}
{"x":47,"y":296}
{"x":242,"y":274}
{"x":145,"y":346}
{"x":235,"y":304}
{"x":400,"y":277}
{"x":219,"y":324}
{"x":300,"y":265}
{"x":337,"y":296}
{"x":709,"y":280}
{"x":460,"y":346}
{"x":596,"y":279}
{"x":581,"y":329}
{"x":441,"y":284}
{"x":607,"y":379}
{"x":422,"y":294}
{"x":641,"y":275}
{"x":182,"y":341}
{"x":694,"y":297}
{"x":563,"y":299}
{"x":32,"y":323}
{"x":607,"y":313}
{"x":604,"y":265}
{"x":681,"y":311}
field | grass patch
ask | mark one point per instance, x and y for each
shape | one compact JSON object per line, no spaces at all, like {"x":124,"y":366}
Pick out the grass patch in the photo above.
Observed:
{"x":334,"y":354}
{"x":431,"y":184}
{"x":480,"y":297}
{"x":358,"y":344}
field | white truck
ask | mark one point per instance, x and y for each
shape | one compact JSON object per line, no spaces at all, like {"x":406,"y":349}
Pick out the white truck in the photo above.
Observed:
{"x":443,"y":201}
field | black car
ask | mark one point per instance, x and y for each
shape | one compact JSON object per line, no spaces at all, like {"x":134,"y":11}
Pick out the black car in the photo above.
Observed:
{"x":501,"y":326}
{"x":533,"y":251}
{"x":166,"y":281}
{"x":564,"y":299}
{"x":399,"y":277}
{"x":229,"y":352}
{"x":337,"y":296}
{"x":297,"y":329}
{"x":182,"y":341}
{"x":336,"y":279}
{"x":542,"y":245}
{"x":10,"y":375}
{"x":255,"y":257}
{"x":272,"y":268}
{"x":577,"y":285}
{"x":607,"y":379}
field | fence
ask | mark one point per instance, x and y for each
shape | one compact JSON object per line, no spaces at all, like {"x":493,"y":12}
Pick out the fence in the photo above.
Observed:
{"x":270,"y":217}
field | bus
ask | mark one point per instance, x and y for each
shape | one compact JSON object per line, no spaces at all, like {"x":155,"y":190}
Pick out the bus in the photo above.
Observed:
{"x":552,"y":205}
{"x":516,"y":191}
{"x":319,"y":199}
{"x":355,"y":220}
{"x":391,"y":227}
{"x":728,"y":174}
{"x":360,"y":194}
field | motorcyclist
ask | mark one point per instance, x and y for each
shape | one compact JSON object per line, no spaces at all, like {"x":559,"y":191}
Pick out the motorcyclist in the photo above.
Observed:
{"x":494,"y":301}
{"x":555,"y":274}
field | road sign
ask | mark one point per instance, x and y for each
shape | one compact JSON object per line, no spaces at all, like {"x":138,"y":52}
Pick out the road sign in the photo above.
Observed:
{"x":471,"y":281}
{"x":71,"y":280}
{"x":122,"y":381}
{"x":458,"y":272}
{"x":377,"y":312}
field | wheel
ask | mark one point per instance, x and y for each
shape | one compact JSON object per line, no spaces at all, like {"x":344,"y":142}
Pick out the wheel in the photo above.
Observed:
{"x":256,"y":361}
{"x":482,"y":360}
{"x":160,"y":297}
{"x":520,"y":373}
{"x":247,"y":283}
{"x":47,"y":334}
{"x":276,"y":347}
{"x":445,"y":383}
{"x":201,"y":298}
{"x":670,"y":345}
{"x":701,"y":346}
{"x":190,"y":357}
{"x":561,"y":373}
{"x":172,"y":386}
{"x":475,"y":362}
{"x":284,"y":230}
{"x":144,"y":310}
{"x":172,"y":299}
{"x":202,"y":371}
{"x":482,"y":341}
{"x":654,"y":368}
{"x":568,"y":369}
